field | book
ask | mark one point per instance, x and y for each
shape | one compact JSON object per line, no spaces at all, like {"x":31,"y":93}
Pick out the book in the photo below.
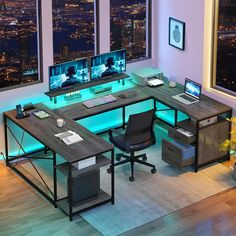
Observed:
{"x":69,"y":137}
{"x":41,"y":114}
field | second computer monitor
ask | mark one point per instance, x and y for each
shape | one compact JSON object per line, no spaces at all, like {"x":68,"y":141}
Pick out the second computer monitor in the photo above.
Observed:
{"x":106,"y":65}
{"x":68,"y":74}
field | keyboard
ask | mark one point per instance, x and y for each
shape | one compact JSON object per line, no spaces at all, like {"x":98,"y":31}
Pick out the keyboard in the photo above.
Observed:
{"x":187,"y":98}
{"x":99,"y":101}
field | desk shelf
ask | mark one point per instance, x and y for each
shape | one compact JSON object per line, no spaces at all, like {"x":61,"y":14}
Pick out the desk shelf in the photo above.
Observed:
{"x":78,"y":183}
{"x":58,"y":92}
{"x":82,"y":206}
{"x":101,"y":161}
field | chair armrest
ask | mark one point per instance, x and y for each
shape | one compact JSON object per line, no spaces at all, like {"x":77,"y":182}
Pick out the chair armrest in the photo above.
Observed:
{"x":111,"y":132}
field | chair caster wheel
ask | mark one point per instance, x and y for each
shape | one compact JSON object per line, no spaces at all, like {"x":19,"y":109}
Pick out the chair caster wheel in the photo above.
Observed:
{"x":153,"y":170}
{"x":118,"y":157}
{"x":131,"y":178}
{"x":144,"y":158}
{"x":109,"y":170}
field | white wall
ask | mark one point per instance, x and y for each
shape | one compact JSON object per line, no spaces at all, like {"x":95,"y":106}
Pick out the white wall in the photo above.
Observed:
{"x":195,"y":61}
{"x":35,"y":93}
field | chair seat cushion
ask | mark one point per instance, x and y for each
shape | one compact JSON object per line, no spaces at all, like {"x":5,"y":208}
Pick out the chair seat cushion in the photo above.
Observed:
{"x":120,"y":142}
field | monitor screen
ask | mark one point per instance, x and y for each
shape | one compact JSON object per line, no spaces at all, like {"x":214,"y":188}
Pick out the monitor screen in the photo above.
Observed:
{"x":105,"y":65}
{"x":68,"y":74}
{"x":192,"y":88}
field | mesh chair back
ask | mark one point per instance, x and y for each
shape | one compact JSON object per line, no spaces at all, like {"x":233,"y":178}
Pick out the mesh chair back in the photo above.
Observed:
{"x":140,"y":128}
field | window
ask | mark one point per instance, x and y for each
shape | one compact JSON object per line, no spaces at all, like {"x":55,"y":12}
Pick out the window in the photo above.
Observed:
{"x":130,"y":27}
{"x":73,"y":29}
{"x":18,"y":43}
{"x":225,"y":46}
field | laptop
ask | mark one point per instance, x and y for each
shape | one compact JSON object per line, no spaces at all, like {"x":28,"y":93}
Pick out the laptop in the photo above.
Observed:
{"x":192,"y":92}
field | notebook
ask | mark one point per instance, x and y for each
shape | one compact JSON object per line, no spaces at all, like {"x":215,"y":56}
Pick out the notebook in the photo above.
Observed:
{"x":192,"y":92}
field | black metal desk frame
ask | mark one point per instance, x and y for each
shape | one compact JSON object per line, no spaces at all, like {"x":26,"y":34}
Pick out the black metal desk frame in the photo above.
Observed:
{"x":52,"y":196}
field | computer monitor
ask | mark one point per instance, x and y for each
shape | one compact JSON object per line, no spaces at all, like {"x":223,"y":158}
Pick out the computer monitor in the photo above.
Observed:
{"x":106,"y":65}
{"x":68,"y":74}
{"x":192,"y":88}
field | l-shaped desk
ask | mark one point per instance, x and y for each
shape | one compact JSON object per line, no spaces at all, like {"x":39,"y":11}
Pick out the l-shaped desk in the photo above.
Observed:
{"x":207,"y":137}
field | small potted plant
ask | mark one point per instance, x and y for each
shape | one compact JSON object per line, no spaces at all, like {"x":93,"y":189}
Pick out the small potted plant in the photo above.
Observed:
{"x":230,"y":144}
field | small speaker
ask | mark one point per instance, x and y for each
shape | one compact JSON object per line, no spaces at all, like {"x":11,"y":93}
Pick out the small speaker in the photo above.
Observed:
{"x":85,"y":186}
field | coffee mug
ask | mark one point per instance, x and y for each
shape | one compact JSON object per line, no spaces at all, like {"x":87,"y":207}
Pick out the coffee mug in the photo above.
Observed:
{"x":60,"y":122}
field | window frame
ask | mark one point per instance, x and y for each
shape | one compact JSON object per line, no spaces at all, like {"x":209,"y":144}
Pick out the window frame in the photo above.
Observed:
{"x":148,"y":34}
{"x":214,"y":51}
{"x":39,"y":49}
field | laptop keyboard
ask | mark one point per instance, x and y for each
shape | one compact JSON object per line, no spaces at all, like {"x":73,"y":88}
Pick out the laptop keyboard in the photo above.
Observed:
{"x":187,"y":98}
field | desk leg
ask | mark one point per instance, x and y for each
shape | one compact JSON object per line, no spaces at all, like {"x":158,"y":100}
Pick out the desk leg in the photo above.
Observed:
{"x":112,"y":178}
{"x":6,"y":140}
{"x":70,"y":192}
{"x":55,"y":178}
{"x":196,"y":148}
{"x":176,"y":117}
{"x":123,"y":117}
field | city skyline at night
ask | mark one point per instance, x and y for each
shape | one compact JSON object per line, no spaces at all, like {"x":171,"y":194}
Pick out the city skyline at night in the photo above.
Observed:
{"x":226,"y":46}
{"x":73,"y":29}
{"x":73,"y":34}
{"x":18,"y":42}
{"x":128,"y":27}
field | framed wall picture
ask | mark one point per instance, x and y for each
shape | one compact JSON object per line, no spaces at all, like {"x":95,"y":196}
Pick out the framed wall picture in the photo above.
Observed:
{"x":176,"y":33}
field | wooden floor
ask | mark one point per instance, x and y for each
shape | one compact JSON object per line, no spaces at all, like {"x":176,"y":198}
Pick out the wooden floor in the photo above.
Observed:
{"x":215,"y":215}
{"x":24,"y":212}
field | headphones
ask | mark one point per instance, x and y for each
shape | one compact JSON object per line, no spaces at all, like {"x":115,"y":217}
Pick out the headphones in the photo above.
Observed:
{"x":110,"y":62}
{"x":71,"y":71}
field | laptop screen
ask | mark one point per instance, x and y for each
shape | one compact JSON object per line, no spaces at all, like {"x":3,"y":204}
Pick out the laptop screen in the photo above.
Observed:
{"x":192,"y":88}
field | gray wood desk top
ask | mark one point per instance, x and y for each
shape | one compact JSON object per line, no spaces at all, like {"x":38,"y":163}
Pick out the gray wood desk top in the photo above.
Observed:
{"x":201,"y":110}
{"x":45,"y":129}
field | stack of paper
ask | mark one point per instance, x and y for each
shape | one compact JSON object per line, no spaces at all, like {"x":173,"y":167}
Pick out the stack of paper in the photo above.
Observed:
{"x":155,"y":82}
{"x":69,"y":137}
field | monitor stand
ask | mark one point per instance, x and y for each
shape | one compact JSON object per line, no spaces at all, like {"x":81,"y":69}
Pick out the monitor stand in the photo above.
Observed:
{"x":100,"y":89}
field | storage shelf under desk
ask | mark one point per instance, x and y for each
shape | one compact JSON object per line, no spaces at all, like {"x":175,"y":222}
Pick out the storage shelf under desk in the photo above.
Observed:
{"x":101,"y":198}
{"x":101,"y":161}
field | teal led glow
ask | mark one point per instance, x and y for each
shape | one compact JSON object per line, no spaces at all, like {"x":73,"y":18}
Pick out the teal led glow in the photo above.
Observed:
{"x":137,"y":108}
{"x":26,"y":140}
{"x":87,"y":94}
{"x":111,"y":119}
{"x":102,"y":122}
{"x":26,"y":149}
{"x":182,"y":116}
{"x":167,"y":114}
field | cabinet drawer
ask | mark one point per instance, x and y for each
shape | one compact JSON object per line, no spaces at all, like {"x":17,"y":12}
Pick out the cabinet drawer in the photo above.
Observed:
{"x":177,"y":154}
{"x":176,"y":135}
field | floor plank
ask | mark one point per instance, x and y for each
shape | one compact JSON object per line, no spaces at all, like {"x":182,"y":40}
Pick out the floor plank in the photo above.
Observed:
{"x":215,"y":215}
{"x":25,"y":212}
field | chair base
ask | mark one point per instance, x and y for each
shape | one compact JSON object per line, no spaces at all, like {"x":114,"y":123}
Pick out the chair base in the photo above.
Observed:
{"x":132,"y":159}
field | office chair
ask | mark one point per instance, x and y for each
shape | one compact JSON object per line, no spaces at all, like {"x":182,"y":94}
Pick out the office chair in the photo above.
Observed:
{"x":139,"y":134}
